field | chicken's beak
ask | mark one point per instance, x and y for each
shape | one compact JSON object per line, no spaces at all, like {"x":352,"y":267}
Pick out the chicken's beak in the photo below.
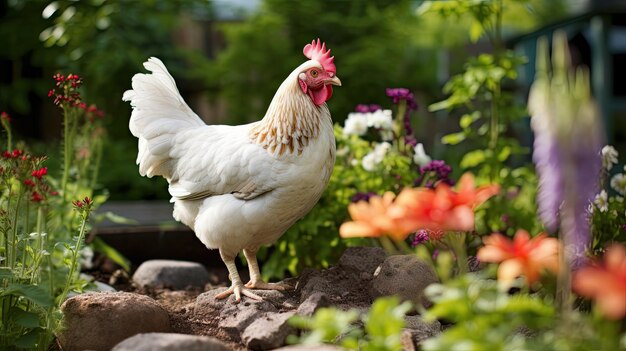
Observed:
{"x":334,"y":81}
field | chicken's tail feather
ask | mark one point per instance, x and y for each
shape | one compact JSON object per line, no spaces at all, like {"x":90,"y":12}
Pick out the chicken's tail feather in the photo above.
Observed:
{"x":159,"y":112}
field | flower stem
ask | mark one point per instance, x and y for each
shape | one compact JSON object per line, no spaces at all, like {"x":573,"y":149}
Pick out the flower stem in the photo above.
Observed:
{"x":75,"y":252}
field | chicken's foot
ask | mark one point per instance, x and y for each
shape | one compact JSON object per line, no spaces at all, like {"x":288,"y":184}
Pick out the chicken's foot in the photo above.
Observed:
{"x":237,"y":286}
{"x":255,"y":274}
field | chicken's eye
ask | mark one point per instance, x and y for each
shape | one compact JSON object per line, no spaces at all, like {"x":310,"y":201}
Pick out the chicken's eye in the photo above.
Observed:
{"x":314,"y":73}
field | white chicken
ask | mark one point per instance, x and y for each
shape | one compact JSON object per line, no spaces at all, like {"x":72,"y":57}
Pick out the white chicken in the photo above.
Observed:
{"x":239,"y":187}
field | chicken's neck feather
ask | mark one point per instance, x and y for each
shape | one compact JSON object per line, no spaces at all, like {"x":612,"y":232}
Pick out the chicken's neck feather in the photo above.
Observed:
{"x":291,"y":121}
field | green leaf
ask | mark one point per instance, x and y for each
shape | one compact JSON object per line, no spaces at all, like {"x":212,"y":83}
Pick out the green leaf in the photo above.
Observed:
{"x":453,"y":139}
{"x":24,"y":318}
{"x":473,"y":158}
{"x":100,"y":246}
{"x":35,"y":293}
{"x":504,"y":153}
{"x":115,"y":218}
{"x":28,"y":340}
{"x":6,"y":273}
{"x":467,"y":119}
{"x":476,"y":30}
{"x":441,"y":105}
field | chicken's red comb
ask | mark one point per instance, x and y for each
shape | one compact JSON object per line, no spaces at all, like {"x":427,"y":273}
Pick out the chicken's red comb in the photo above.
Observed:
{"x":317,"y":51}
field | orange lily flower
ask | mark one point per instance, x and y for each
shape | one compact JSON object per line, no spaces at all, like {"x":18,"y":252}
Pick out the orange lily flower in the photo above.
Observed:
{"x":521,"y":256}
{"x":605,"y":282}
{"x":437,"y":209}
{"x":443,"y":208}
{"x":372,"y":219}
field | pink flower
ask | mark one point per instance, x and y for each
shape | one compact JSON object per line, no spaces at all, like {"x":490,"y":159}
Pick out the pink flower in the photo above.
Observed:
{"x":605,"y":282}
{"x":521,"y":256}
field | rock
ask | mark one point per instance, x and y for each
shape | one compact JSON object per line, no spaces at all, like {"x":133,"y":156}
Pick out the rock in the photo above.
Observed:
{"x":314,"y":285}
{"x":207,"y":306}
{"x":170,"y":342}
{"x":417,"y":330}
{"x":417,"y":322}
{"x":313,"y":303}
{"x":268,"y":332}
{"x":362,"y":259}
{"x":235,"y":318}
{"x":321,"y":347}
{"x":98,"y":321}
{"x":405,"y":276}
{"x":171,"y":274}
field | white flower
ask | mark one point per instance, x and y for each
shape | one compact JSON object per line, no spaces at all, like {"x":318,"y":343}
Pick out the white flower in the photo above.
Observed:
{"x":602,"y":201}
{"x":609,"y":157}
{"x":369,"y":162}
{"x":380,"y":119}
{"x":618,"y":182}
{"x":372,"y":159}
{"x":420,"y":158}
{"x":356,"y":124}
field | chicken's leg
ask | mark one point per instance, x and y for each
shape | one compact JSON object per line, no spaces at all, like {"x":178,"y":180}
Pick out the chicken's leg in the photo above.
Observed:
{"x":237,"y":287}
{"x":256,"y":282}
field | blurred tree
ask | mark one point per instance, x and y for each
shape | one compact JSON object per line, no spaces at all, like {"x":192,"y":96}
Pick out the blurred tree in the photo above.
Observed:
{"x":373,"y":42}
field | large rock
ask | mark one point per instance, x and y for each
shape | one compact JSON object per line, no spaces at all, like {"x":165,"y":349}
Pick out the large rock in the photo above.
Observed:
{"x":98,"y":321}
{"x":170,"y":342}
{"x":314,"y":302}
{"x":171,"y":274}
{"x":233,"y":318}
{"x":405,"y":276}
{"x":362,"y":259}
{"x":417,"y":330}
{"x":341,"y":286}
{"x":268,"y":332}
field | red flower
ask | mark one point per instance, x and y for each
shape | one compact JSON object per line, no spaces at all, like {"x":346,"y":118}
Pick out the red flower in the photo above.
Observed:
{"x":5,"y":117}
{"x":38,"y":173}
{"x":36,"y":197}
{"x":12,"y":154}
{"x":521,"y":256}
{"x":87,"y":201}
{"x":29,"y":183}
{"x":605,"y":282}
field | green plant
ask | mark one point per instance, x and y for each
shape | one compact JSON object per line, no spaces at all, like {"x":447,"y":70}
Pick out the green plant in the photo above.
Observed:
{"x":608,"y":212}
{"x":40,"y":251}
{"x":486,"y":317}
{"x":489,"y":114}
{"x":380,"y":332}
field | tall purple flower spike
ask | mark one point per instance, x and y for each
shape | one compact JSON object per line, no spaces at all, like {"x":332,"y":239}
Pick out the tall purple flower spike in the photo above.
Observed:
{"x":568,"y":139}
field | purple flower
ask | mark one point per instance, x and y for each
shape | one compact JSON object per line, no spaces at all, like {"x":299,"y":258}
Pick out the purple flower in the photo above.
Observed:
{"x":359,"y":196}
{"x":624,"y":227}
{"x":398,"y":94}
{"x":362,"y":108}
{"x":434,"y":172}
{"x":568,"y":138}
{"x":420,"y":237}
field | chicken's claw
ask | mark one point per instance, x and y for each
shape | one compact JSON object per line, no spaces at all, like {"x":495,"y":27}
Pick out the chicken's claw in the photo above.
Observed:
{"x":238,"y":290}
{"x":261,"y":285}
